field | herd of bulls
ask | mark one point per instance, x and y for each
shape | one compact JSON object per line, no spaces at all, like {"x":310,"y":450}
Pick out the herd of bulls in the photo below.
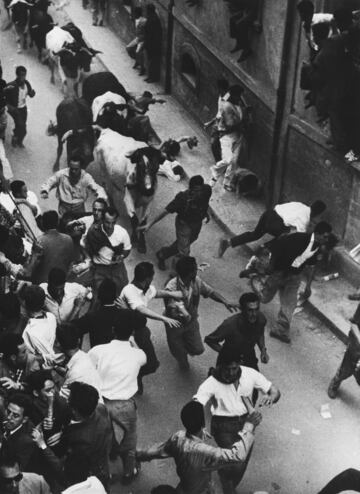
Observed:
{"x":105,"y":122}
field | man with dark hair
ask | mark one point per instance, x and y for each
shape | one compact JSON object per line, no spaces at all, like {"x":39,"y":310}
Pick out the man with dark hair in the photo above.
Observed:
{"x":22,"y":195}
{"x":108,"y":244}
{"x":191,"y":207}
{"x":17,"y":433}
{"x":242,"y":332}
{"x":78,"y":367}
{"x":194,"y":459}
{"x":281,"y":219}
{"x":289,"y":255}
{"x":49,"y":410}
{"x":186,"y":339}
{"x":16,"y":93}
{"x":86,"y":441}
{"x":85,"y":222}
{"x":64,"y":300}
{"x":230,"y":389}
{"x":17,"y":362}
{"x":136,"y":46}
{"x":99,"y":323}
{"x":136,"y":296}
{"x":57,"y":249}
{"x":72,"y":185}
{"x":118,"y":365}
{"x":24,"y":205}
{"x":13,"y":481}
{"x":232,"y":138}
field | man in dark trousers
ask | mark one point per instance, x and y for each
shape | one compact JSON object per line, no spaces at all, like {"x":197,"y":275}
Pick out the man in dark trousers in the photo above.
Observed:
{"x":152,"y":43}
{"x":243,"y":331}
{"x":191,"y":207}
{"x":16,"y":93}
{"x":289,"y":255}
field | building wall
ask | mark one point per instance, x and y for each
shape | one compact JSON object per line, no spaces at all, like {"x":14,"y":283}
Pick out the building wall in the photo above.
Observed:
{"x":308,"y":168}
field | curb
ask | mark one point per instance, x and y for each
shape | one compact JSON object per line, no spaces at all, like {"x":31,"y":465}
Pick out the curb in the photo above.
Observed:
{"x":309,"y":305}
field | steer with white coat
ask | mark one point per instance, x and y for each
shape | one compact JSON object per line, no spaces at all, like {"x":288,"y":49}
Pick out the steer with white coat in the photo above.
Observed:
{"x":129,"y":167}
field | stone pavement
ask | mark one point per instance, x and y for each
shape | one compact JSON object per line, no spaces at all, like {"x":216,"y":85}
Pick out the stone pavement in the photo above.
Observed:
{"x":235,"y":214}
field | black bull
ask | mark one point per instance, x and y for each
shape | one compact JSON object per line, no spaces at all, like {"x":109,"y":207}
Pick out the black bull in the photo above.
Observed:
{"x":137,"y":126}
{"x":73,"y":125}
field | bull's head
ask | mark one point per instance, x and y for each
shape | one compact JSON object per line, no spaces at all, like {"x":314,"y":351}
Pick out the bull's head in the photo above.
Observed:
{"x":147,"y":161}
{"x":81,"y":141}
{"x":85,"y":57}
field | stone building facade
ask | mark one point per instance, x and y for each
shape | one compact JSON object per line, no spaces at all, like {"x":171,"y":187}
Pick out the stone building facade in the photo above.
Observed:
{"x":288,"y":149}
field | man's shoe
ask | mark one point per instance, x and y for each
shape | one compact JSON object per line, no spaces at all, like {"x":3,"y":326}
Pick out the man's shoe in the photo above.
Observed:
{"x":333,"y":389}
{"x":223,"y":246}
{"x":161,"y":261}
{"x":128,"y":478}
{"x":282,"y":337}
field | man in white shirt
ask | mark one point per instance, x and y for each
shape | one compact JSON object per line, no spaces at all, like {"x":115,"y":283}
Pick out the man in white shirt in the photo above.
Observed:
{"x":85,"y":222}
{"x":62,"y":299}
{"x":136,"y":296}
{"x":223,"y":88}
{"x":72,"y":185}
{"x":230,"y":389}
{"x":118,"y":364}
{"x":108,"y":244}
{"x":79,"y":367}
{"x":282,"y":219}
{"x":40,"y":332}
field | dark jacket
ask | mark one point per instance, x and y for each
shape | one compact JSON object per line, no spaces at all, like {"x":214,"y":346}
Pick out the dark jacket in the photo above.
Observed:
{"x":21,"y":444}
{"x":85,"y":449}
{"x":286,"y":248}
{"x":12,"y":92}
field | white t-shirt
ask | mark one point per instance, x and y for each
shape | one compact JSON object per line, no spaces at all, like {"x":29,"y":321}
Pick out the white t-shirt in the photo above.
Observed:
{"x":135,"y":297}
{"x":118,"y":365}
{"x":119,"y":236}
{"x":80,"y":368}
{"x":227,"y":400}
{"x":22,"y":96}
{"x":39,"y":335}
{"x":294,"y":214}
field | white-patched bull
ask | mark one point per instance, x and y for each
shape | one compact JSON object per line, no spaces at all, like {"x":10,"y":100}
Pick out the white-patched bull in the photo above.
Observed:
{"x":129,"y":167}
{"x":70,"y":54}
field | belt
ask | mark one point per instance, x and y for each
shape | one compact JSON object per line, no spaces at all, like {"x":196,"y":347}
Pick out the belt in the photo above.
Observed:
{"x":234,"y":418}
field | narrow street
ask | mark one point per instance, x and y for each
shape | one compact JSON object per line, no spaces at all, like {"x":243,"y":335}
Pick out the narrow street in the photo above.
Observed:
{"x":296,"y":450}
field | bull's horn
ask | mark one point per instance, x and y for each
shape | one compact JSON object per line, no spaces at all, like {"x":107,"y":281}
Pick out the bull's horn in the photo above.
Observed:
{"x":67,"y":135}
{"x":34,"y":26}
{"x":97,"y":127}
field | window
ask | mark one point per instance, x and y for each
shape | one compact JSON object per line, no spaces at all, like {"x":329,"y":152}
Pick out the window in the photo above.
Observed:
{"x":189,"y":70}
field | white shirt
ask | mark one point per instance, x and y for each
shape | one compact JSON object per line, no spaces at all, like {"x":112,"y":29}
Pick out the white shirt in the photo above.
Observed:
{"x":22,"y":96}
{"x":226,"y":399}
{"x":135,"y":297}
{"x":294,"y":214}
{"x":64,"y":310}
{"x":81,"y":369}
{"x":118,"y":365}
{"x":119,"y":236}
{"x":309,"y":252}
{"x":39,"y":335}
